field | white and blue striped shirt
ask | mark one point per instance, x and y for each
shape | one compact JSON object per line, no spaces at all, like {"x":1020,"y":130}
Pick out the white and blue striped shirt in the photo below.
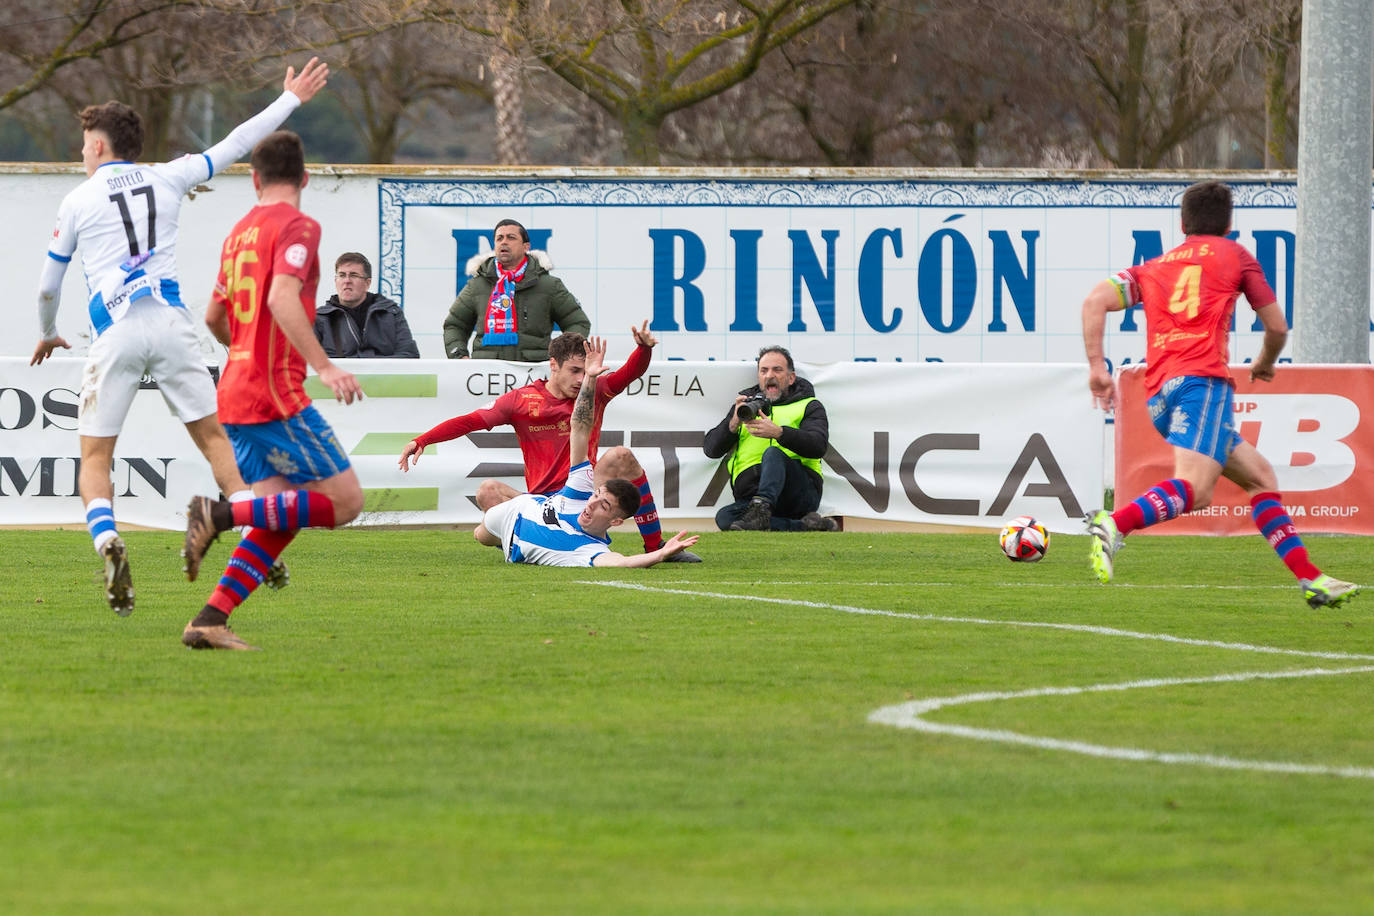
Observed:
{"x":124,"y":219}
{"x":545,"y":531}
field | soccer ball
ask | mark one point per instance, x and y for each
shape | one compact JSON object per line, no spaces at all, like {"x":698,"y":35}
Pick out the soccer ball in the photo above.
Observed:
{"x":1024,"y":540}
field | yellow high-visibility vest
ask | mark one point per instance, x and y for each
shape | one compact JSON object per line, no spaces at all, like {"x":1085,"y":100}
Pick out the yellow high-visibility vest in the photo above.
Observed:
{"x":750,"y":449}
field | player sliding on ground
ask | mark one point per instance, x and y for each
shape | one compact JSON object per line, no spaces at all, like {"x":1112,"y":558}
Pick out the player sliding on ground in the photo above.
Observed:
{"x":1189,"y":295}
{"x":540,"y":413}
{"x":570,"y":527}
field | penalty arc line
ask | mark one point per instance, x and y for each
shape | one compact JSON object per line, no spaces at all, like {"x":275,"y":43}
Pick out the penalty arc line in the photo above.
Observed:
{"x":908,"y":715}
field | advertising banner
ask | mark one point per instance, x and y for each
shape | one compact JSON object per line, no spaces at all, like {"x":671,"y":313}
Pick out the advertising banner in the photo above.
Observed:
{"x":1315,"y":425}
{"x":946,"y":444}
{"x":966,"y":267}
{"x":837,"y":265}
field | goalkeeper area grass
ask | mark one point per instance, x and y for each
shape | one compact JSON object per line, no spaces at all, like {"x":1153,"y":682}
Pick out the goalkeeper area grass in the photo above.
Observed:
{"x":828,"y":723}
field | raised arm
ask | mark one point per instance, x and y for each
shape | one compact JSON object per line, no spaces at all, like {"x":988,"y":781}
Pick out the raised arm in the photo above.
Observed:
{"x":584,"y":410}
{"x":636,"y":365}
{"x":297,"y":89}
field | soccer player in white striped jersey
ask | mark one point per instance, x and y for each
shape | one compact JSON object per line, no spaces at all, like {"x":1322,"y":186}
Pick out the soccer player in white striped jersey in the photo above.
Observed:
{"x":124,"y":219}
{"x":571,"y":527}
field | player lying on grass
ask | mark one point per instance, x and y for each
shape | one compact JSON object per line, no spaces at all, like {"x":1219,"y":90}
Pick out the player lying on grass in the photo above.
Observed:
{"x":570,"y":527}
{"x":541,"y":412}
{"x":1189,"y":295}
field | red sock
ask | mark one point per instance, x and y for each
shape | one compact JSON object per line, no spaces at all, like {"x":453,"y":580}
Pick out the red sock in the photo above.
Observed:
{"x":1167,"y":499}
{"x":248,"y":566}
{"x":1266,"y":510}
{"x":646,"y":519}
{"x":288,"y":510}
{"x":1128,"y":518}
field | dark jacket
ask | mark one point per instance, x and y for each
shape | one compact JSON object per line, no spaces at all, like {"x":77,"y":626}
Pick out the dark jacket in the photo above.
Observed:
{"x":810,"y":438}
{"x":384,"y":333}
{"x":541,"y":301}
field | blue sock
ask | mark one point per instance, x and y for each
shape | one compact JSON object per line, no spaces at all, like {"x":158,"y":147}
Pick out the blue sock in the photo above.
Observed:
{"x":100,"y":522}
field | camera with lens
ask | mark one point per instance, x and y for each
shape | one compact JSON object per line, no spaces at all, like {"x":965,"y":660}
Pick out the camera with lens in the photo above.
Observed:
{"x":756,"y":406}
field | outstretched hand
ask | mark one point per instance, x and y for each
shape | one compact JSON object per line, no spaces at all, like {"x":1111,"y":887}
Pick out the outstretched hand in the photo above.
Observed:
{"x":596,"y":356}
{"x":410,"y":455}
{"x":309,"y":81}
{"x":643,"y":337}
{"x":45,"y":348}
{"x":678,"y":543}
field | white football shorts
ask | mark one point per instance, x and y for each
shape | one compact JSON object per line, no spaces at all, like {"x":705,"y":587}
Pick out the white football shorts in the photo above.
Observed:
{"x":152,"y":339}
{"x":500,"y":520}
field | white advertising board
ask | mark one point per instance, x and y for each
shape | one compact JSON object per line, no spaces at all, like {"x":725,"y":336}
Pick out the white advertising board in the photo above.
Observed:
{"x":955,"y":266}
{"x":954,"y":269}
{"x":939,"y":443}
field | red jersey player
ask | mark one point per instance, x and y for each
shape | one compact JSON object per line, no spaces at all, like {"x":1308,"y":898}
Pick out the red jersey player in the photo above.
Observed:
{"x":263,"y":308}
{"x":1189,"y":295}
{"x":541,"y":414}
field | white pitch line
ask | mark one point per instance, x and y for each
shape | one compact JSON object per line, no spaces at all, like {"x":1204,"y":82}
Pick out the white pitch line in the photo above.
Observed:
{"x":908,"y":715}
{"x":912,"y":583}
{"x":986,"y":622}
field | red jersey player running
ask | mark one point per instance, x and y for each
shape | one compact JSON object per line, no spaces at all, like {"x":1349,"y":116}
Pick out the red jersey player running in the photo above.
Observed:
{"x":263,"y":308}
{"x":1189,"y":295}
{"x":541,"y":413}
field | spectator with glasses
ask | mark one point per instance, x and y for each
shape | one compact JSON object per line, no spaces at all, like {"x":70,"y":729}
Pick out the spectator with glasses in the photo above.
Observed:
{"x":357,"y":324}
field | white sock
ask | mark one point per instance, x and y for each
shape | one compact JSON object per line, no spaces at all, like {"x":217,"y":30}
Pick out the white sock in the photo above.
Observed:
{"x":241,"y":496}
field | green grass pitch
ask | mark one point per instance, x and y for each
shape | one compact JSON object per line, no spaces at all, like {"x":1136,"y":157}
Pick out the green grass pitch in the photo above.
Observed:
{"x":428,"y":730}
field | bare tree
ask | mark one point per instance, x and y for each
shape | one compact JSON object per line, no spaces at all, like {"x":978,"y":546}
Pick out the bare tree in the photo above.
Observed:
{"x":1276,"y":28}
{"x":643,"y":60}
{"x":886,"y":84}
{"x":1153,"y":71}
{"x":512,"y":141}
{"x":387,"y":67}
{"x":39,"y":38}
{"x":839,"y":95}
{"x":396,"y":76}
{"x":150,"y":55}
{"x":1129,"y":83}
{"x":156,"y":75}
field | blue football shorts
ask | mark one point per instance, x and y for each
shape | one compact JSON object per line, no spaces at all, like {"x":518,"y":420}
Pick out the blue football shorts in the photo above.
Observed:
{"x":300,"y":448}
{"x":1197,"y":413}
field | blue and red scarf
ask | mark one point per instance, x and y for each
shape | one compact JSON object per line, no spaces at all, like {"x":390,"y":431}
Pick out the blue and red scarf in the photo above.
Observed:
{"x":501,"y":327}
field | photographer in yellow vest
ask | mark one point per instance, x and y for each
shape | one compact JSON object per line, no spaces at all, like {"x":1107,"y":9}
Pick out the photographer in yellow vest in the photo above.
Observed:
{"x":775,"y":434}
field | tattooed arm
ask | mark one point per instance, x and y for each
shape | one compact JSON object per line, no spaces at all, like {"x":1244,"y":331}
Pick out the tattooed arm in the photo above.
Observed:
{"x":584,"y":410}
